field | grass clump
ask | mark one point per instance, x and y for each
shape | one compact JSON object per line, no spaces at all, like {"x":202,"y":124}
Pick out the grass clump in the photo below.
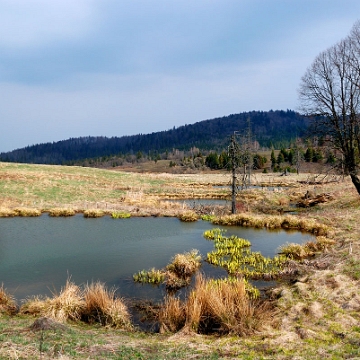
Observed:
{"x":93,"y":213}
{"x":25,"y":212}
{"x":5,"y":212}
{"x":102,"y":307}
{"x":222,"y":307}
{"x":310,"y":248}
{"x":176,"y":275}
{"x":93,"y":304}
{"x":185,"y":265}
{"x":7,"y":302}
{"x":120,"y":215}
{"x":68,"y":305}
{"x":189,"y":216}
{"x":273,"y":222}
{"x":61,"y":212}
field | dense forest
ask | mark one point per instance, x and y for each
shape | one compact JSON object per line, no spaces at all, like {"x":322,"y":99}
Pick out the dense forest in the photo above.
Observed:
{"x":269,"y":129}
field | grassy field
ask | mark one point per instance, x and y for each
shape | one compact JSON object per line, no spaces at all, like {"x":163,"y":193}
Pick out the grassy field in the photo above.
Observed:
{"x":316,"y":315}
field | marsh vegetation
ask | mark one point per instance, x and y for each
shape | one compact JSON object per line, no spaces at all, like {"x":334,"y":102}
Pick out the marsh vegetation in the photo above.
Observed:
{"x":314,"y":315}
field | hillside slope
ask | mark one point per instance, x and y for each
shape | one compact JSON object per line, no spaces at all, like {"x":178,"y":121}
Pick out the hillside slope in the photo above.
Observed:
{"x":272,"y":128}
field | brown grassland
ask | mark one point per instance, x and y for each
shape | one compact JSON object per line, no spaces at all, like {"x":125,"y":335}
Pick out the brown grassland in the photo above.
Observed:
{"x":314,"y":315}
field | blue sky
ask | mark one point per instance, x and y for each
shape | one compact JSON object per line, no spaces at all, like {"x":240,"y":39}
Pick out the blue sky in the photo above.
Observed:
{"x":71,"y":68}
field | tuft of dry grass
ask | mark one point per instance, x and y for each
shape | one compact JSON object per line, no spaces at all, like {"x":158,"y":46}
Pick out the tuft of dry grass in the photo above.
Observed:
{"x":61,"y":212}
{"x":216,"y":307}
{"x":6,"y":212}
{"x":101,"y":306}
{"x":94,"y":304}
{"x":93,"y":213}
{"x":172,"y":315}
{"x":7,"y":302}
{"x":26,"y":212}
{"x":185,"y":265}
{"x":189,"y":216}
{"x":68,"y":305}
{"x":274,"y":222}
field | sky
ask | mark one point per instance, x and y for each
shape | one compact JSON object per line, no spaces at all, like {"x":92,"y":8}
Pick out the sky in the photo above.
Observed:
{"x":71,"y":68}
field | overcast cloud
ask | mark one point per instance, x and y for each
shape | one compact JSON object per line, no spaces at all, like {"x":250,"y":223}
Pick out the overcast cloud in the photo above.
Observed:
{"x":71,"y":68}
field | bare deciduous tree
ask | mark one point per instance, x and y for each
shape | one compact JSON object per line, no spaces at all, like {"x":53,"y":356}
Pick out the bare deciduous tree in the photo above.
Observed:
{"x":330,"y":93}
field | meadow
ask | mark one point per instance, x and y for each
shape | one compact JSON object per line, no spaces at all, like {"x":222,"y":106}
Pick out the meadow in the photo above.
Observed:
{"x":314,"y":314}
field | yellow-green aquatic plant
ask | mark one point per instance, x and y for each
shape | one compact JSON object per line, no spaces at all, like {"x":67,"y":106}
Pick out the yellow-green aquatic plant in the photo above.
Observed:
{"x":189,"y":216}
{"x":151,"y":276}
{"x":120,"y":215}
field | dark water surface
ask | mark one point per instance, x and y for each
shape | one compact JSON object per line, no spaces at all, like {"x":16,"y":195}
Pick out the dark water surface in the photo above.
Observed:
{"x":37,"y":255}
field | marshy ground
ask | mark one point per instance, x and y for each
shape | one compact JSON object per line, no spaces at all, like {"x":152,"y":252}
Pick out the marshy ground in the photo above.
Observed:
{"x":315,"y":315}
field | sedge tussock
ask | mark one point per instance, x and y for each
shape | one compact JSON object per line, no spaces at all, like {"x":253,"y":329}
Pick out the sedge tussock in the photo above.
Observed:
{"x":67,"y":305}
{"x":57,"y":212}
{"x":189,"y":216}
{"x":273,"y":222}
{"x":7,"y":302}
{"x":35,"y":306}
{"x":224,"y":307}
{"x":101,"y":306}
{"x":93,"y":213}
{"x":172,"y":315}
{"x":25,"y":212}
{"x":184,"y":265}
{"x":6,"y":212}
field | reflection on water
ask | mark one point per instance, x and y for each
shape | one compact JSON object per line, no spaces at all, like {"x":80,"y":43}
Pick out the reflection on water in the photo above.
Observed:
{"x":37,"y":255}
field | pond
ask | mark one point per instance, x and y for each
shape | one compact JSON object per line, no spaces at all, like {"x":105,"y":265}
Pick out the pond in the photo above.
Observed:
{"x":37,"y":255}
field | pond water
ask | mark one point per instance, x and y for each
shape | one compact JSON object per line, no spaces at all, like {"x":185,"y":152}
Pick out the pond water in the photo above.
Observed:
{"x":37,"y":255}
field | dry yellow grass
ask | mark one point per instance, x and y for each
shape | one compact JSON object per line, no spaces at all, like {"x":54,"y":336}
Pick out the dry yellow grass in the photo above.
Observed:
{"x":103,"y":307}
{"x":222,"y":307}
{"x":68,"y":305}
{"x":7,"y":302}
{"x":93,"y":304}
{"x":61,"y":212}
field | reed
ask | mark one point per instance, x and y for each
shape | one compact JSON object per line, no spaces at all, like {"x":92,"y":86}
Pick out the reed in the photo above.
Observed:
{"x":7,"y":302}
{"x":93,"y":213}
{"x":102,"y":307}
{"x":61,"y":212}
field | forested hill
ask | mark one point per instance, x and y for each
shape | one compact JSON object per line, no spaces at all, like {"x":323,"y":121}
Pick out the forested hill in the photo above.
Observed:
{"x":272,"y":128}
